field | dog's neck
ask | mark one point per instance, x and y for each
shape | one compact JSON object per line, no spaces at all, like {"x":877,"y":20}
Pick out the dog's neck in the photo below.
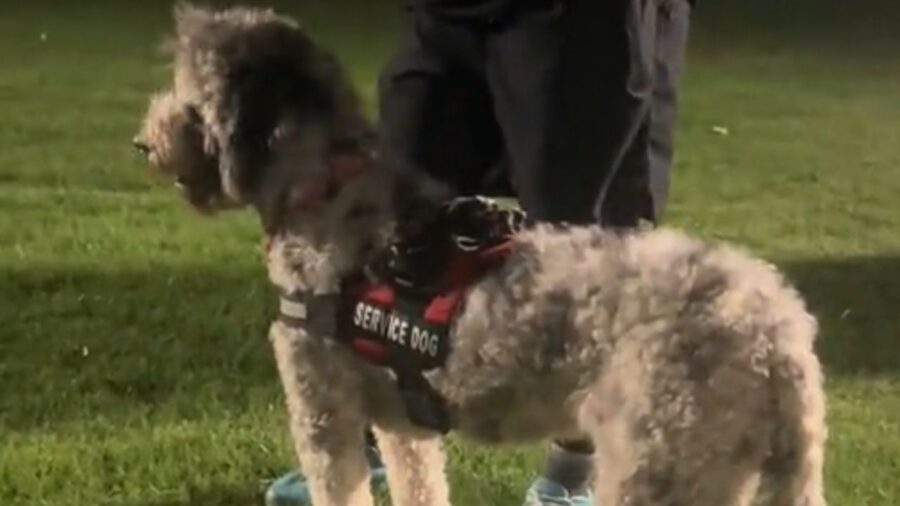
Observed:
{"x":329,"y":226}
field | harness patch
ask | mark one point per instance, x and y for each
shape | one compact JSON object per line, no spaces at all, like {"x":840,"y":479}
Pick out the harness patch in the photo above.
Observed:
{"x":396,"y":328}
{"x":390,"y":333}
{"x":400,"y":313}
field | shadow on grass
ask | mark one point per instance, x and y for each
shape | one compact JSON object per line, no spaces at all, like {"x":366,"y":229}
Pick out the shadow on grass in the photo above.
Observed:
{"x":231,"y":495}
{"x":224,"y":495}
{"x":857,"y":301}
{"x":79,"y":344}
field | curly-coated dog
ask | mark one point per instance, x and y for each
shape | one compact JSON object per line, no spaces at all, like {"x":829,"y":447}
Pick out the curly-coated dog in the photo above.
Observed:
{"x":689,"y":364}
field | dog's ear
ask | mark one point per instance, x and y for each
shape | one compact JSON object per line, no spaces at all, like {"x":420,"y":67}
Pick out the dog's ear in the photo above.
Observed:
{"x":252,"y":72}
{"x":279,"y":81}
{"x":186,"y":15}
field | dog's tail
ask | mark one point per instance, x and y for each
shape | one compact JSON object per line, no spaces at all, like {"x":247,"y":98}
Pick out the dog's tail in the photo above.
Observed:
{"x":792,"y":475}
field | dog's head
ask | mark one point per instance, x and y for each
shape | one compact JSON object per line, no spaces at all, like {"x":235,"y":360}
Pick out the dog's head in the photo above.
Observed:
{"x":175,"y":143}
{"x":252,"y":97}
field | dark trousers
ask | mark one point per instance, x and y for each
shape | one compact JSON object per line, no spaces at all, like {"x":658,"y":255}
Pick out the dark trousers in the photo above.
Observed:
{"x":568,"y":105}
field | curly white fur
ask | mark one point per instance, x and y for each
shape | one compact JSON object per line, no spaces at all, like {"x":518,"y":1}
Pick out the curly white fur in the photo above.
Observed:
{"x":689,"y":364}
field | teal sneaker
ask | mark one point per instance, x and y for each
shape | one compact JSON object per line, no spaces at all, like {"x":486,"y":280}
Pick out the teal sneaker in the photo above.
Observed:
{"x":292,"y":490}
{"x":544,"y":492}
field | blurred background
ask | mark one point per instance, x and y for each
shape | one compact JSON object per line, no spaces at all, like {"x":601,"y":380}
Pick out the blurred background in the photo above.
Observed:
{"x":134,"y":368}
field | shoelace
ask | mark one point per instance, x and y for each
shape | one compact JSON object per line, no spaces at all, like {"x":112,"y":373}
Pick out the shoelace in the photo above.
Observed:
{"x":554,"y":500}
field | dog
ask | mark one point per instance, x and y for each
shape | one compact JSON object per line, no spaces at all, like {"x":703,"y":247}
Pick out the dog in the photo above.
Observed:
{"x":689,"y":364}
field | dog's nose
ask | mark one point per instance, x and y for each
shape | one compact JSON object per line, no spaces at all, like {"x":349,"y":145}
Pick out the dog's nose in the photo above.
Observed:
{"x":141,"y":147}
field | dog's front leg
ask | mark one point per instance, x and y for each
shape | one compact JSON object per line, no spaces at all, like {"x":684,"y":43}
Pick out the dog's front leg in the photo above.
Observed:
{"x":326,"y":417}
{"x":415,"y":469}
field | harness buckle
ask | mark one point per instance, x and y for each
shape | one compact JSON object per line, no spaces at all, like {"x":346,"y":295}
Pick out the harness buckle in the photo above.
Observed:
{"x":424,"y":407}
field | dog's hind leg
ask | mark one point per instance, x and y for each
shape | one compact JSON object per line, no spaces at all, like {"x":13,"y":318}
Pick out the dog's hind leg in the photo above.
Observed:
{"x":326,"y":417}
{"x":678,"y":436}
{"x":655,"y":472}
{"x":415,"y":469}
{"x":792,"y":475}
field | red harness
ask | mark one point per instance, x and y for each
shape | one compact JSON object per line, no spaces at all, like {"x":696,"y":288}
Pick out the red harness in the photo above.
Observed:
{"x":397,"y":326}
{"x":401,"y":317}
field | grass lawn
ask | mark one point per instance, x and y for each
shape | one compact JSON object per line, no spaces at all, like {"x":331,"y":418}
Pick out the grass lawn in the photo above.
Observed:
{"x":134,"y":369}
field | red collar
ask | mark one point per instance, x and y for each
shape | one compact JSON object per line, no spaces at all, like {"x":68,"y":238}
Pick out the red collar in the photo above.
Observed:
{"x":342,"y":167}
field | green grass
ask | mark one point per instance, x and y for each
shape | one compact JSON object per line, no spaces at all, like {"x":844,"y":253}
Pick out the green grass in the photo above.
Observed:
{"x":133,"y":364}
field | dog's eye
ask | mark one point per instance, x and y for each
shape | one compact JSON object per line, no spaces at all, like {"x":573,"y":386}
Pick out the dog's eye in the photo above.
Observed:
{"x":193,"y":114}
{"x":141,"y":147}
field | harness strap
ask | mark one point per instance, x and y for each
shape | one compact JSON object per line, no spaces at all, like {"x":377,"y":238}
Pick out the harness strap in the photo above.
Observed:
{"x":424,"y":406}
{"x":304,"y":310}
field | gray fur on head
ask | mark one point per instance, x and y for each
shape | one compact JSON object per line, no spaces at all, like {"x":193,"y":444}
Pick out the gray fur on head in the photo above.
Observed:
{"x":176,"y":143}
{"x":254,"y":76}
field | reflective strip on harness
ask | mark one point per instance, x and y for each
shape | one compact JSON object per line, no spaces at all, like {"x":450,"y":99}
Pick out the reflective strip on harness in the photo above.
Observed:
{"x":292,"y":308}
{"x":308,"y":311}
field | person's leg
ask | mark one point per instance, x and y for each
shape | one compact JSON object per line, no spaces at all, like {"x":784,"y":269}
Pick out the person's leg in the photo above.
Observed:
{"x":594,"y":94}
{"x":435,"y":109}
{"x":523,"y":62}
{"x":672,"y":39}
{"x":572,"y":91}
{"x":640,"y":189}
